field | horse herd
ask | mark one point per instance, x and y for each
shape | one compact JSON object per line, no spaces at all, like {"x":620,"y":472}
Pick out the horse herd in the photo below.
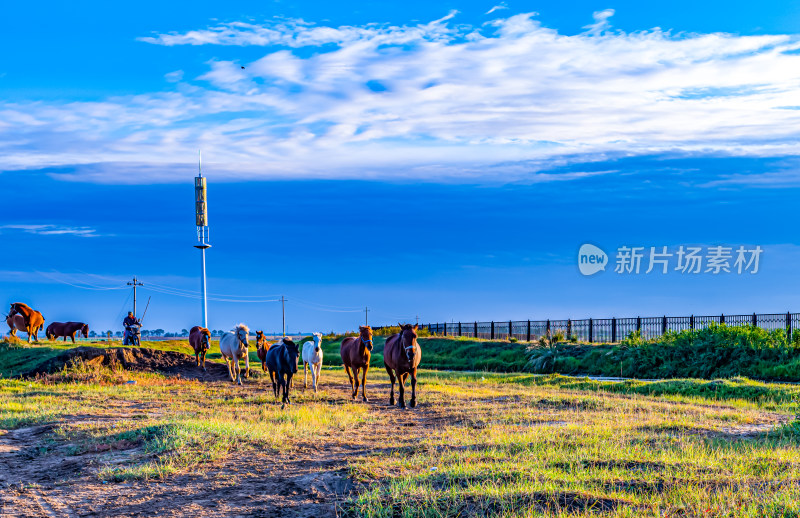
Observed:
{"x":22,"y":318}
{"x":401,"y":353}
{"x":401,"y":357}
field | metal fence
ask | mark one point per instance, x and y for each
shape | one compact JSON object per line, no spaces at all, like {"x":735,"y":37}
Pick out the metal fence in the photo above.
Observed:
{"x":609,"y":329}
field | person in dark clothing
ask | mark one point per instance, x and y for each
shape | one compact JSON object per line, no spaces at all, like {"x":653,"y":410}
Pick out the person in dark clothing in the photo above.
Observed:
{"x":130,"y":321}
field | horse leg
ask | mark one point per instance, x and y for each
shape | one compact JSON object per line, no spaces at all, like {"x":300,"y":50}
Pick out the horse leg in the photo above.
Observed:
{"x":355,"y":380}
{"x":73,"y":337}
{"x":238,"y":369}
{"x":30,"y":335}
{"x":305,"y":375}
{"x":350,"y":376}
{"x":289,"y":377}
{"x":203,"y":358}
{"x":391,"y":380}
{"x":413,"y":401}
{"x":315,"y":375}
{"x":401,"y":381}
{"x":247,"y":363}
{"x":230,"y":372}
{"x":364,"y":383}
{"x":274,"y":385}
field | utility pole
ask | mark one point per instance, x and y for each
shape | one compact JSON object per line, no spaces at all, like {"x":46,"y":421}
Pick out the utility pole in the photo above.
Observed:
{"x":134,"y":283}
{"x":201,"y":221}
{"x":283,"y":314}
{"x":366,"y":316}
{"x":417,"y":317}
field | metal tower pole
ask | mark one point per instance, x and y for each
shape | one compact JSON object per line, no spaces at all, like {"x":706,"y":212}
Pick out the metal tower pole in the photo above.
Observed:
{"x":283,"y":314}
{"x":201,"y":220}
{"x":203,"y":289}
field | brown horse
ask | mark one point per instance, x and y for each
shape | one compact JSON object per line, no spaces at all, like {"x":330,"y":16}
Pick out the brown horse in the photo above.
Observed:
{"x":34,"y":321}
{"x":16,"y":323}
{"x":356,"y":352}
{"x":198,"y":339}
{"x":66,"y":329}
{"x":262,"y":347}
{"x":401,"y":356}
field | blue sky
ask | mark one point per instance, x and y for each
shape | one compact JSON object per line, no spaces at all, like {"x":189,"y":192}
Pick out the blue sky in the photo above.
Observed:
{"x":440,"y":160}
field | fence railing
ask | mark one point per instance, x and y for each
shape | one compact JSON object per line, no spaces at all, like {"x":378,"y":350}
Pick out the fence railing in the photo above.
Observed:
{"x":608,"y":329}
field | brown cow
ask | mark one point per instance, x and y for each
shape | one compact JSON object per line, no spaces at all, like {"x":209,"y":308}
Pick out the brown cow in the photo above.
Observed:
{"x":198,"y":339}
{"x":356,"y":353}
{"x":66,"y":329}
{"x":34,"y":321}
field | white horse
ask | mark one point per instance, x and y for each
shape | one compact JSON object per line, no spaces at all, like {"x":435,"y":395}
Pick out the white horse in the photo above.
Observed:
{"x":233,"y":347}
{"x":312,"y":357}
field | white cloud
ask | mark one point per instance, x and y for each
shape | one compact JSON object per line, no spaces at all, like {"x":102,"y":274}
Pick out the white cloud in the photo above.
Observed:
{"x":51,"y":230}
{"x":174,"y":77}
{"x":498,"y":7}
{"x":433,"y":101}
{"x":600,"y":21}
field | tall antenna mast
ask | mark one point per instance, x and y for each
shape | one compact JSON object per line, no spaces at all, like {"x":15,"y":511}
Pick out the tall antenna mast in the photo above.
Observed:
{"x":201,"y":220}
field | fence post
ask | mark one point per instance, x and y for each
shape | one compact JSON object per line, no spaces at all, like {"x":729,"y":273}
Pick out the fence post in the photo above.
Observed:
{"x":569,"y":329}
{"x":755,"y":320}
{"x":788,"y":326}
{"x":691,"y":323}
{"x":639,"y":324}
{"x":459,"y":329}
{"x":547,"y":332}
{"x":476,"y":329}
{"x":528,"y":334}
{"x":492,"y":333}
{"x":614,"y":329}
{"x":591,"y":329}
{"x":722,"y":319}
{"x":664,"y":325}
{"x":510,"y":330}
{"x":445,"y":329}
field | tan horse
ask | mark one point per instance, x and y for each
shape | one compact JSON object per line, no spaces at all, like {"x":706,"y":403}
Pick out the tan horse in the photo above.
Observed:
{"x":262,"y":348}
{"x":34,"y":321}
{"x":401,"y":356}
{"x":356,"y":352}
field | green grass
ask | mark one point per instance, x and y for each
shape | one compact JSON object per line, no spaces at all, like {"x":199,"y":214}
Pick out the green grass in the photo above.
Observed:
{"x":495,"y":444}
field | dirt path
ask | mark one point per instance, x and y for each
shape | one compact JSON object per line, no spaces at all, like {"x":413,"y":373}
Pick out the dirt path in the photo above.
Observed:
{"x":308,"y":480}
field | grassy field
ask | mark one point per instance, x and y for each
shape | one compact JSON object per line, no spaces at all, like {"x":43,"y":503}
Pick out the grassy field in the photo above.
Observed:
{"x":91,"y":440}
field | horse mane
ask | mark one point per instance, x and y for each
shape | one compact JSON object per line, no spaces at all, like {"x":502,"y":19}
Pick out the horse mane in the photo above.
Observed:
{"x":241,"y":326}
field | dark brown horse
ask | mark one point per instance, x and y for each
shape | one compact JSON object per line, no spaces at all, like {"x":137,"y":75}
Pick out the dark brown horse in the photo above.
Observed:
{"x":198,"y":339}
{"x":34,"y":321}
{"x":356,"y":351}
{"x":401,"y":356}
{"x":66,"y":329}
{"x":262,"y":347}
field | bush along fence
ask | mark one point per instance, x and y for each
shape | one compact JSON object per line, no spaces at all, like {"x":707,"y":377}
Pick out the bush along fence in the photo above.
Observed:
{"x":609,"y":330}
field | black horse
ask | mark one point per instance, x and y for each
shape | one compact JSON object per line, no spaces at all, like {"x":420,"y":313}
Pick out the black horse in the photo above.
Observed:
{"x":282,"y":360}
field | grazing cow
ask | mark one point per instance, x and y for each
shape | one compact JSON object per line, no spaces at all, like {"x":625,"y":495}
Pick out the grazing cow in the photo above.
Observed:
{"x":262,"y":346}
{"x":356,"y":352}
{"x":34,"y":321}
{"x":282,"y":361}
{"x":233,"y":347}
{"x":312,"y":357}
{"x":199,"y":340}
{"x":401,"y":356}
{"x":66,"y":329}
